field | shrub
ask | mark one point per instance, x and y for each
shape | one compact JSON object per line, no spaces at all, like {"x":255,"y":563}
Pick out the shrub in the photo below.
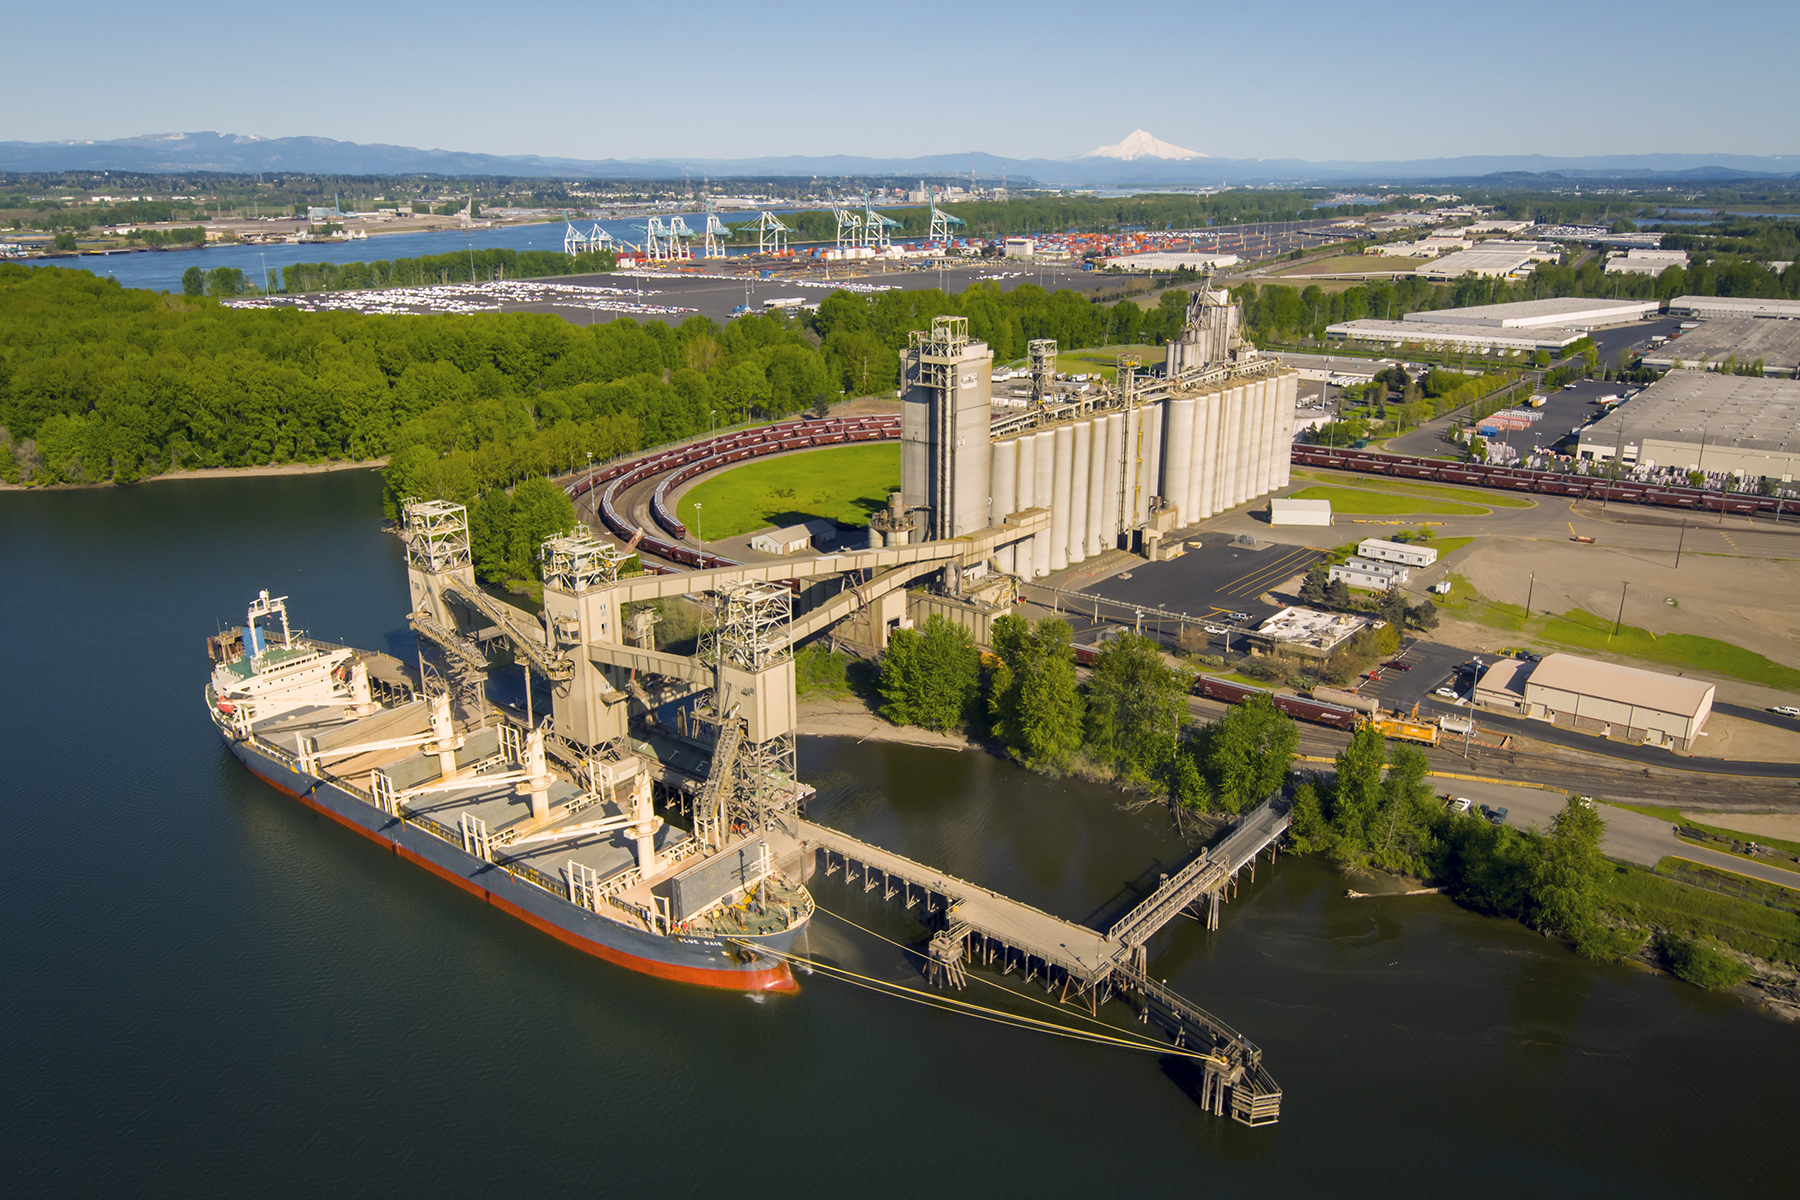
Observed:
{"x":1701,"y":962}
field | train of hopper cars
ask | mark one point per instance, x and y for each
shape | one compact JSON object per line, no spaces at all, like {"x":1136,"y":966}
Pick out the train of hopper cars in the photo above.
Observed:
{"x":1296,"y":707}
{"x":1618,"y":491}
{"x":682,"y":463}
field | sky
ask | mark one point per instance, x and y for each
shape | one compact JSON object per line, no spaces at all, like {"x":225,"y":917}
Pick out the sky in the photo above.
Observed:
{"x":1382,"y":80}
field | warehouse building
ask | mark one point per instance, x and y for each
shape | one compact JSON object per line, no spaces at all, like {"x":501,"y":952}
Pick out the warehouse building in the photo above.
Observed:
{"x":1725,"y":343}
{"x":1640,"y":261}
{"x":1404,"y":553}
{"x":1371,"y":575}
{"x":1704,"y":421}
{"x":1307,"y":631}
{"x":1562,"y":312}
{"x":1491,"y":260}
{"x":1452,"y":334}
{"x":1606,"y":698}
{"x":1732,"y":306}
{"x":1299,"y":512}
{"x":1171,"y":260}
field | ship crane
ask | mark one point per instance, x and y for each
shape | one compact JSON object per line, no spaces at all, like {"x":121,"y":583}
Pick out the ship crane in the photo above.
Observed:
{"x":771,"y":234}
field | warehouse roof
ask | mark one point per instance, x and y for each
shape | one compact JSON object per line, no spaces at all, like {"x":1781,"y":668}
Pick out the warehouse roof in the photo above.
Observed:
{"x":1565,"y":311}
{"x":1622,"y":684}
{"x":1747,"y":339}
{"x":1732,"y":306}
{"x":1323,"y":506}
{"x":1454,"y":333}
{"x":1739,"y":412}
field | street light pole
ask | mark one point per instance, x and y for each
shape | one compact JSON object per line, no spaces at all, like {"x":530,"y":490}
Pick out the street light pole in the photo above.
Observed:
{"x":1530,"y":584}
{"x":1678,"y":542}
{"x":1621,"y":616}
{"x":697,"y":535}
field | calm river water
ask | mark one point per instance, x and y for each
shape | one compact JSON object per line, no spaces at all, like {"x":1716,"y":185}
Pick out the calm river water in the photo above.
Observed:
{"x":210,"y":991}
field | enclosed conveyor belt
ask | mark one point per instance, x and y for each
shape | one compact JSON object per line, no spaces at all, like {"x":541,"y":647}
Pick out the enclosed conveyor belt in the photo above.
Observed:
{"x":550,"y":666}
{"x":452,"y":642}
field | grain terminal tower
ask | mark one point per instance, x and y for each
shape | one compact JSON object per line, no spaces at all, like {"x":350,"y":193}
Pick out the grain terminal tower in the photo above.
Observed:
{"x":1149,"y":452}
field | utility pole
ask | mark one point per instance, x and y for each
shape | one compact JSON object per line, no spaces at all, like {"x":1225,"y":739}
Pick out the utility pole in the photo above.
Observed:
{"x":1529,"y":585}
{"x":1678,"y":542}
{"x":1621,"y":617}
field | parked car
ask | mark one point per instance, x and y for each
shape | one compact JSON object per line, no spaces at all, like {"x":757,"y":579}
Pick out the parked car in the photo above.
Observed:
{"x":1237,"y":616}
{"x":1497,"y":816}
{"x":1447,"y":693}
{"x":1461,"y":805}
{"x":1215,"y":629}
{"x":1397,"y":665}
{"x":1786,"y":710}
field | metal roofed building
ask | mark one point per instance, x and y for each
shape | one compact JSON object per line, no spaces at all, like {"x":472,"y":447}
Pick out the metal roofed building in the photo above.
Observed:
{"x":1703,"y":421}
{"x":1171,"y":260}
{"x":1563,"y":312}
{"x":1490,"y":259}
{"x":1369,"y":574}
{"x":1745,"y":339}
{"x":1732,"y":306}
{"x":793,"y":539}
{"x":1299,"y":512}
{"x":1405,"y":553}
{"x":1617,"y":700}
{"x":1503,"y":684}
{"x":1641,"y":261}
{"x":1453,"y":333}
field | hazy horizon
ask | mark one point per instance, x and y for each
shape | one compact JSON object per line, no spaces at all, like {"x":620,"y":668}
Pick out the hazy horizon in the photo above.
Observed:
{"x":1394,"y":81}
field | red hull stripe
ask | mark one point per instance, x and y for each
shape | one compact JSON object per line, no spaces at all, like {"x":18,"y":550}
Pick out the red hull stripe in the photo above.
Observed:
{"x":777,"y":979}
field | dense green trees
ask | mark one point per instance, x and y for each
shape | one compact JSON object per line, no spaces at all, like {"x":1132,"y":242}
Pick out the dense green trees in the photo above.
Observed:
{"x":102,"y":383}
{"x":1243,"y":758}
{"x":1033,"y":697}
{"x":1136,"y":706}
{"x":506,"y":530}
{"x":931,"y":676}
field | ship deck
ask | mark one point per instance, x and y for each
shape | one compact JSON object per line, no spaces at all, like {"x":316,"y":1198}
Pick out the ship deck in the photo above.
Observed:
{"x":505,"y":811}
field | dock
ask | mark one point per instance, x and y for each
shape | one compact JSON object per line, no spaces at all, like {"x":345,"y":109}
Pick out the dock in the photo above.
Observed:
{"x":977,"y":926}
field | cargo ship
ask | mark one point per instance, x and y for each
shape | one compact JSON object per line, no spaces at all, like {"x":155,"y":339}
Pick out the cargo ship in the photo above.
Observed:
{"x":570,"y":844}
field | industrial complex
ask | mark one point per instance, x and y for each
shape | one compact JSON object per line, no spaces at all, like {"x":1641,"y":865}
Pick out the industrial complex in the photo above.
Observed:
{"x":1151,"y":454}
{"x":1724,"y":425}
{"x":1523,"y":325}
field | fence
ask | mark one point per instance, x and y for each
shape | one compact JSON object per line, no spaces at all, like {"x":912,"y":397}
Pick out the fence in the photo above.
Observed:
{"x":1742,"y":886}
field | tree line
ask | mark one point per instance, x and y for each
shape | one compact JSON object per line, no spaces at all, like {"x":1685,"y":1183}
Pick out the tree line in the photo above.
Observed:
{"x":1129,"y":721}
{"x":456,"y":267}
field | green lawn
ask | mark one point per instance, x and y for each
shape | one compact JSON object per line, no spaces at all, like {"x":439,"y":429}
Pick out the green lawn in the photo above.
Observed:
{"x":844,"y":484}
{"x":1586,"y":631}
{"x":1580,"y":630}
{"x":1441,"y":491}
{"x":1447,"y":546}
{"x":1348,"y":500}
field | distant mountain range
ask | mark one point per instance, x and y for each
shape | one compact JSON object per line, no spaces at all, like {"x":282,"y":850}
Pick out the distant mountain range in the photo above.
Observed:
{"x":1140,"y":160}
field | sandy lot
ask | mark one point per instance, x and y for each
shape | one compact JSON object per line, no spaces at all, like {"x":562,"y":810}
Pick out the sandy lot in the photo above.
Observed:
{"x":1778,"y":825}
{"x":1746,"y":601}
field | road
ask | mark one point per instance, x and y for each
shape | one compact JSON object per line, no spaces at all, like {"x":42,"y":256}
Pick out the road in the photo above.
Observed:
{"x":1630,"y":836}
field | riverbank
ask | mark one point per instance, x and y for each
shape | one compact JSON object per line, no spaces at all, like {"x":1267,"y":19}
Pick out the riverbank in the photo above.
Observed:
{"x":822,"y":716}
{"x":366,"y":464}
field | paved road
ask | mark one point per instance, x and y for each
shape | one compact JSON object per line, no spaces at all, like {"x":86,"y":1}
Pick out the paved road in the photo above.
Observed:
{"x":1630,"y":836}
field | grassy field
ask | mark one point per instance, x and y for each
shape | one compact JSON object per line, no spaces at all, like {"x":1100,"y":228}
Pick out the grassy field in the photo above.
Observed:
{"x":1581,"y":630}
{"x":1438,"y":491}
{"x":1348,"y":500}
{"x":1586,"y":631}
{"x":1448,"y":546}
{"x":1742,"y":924}
{"x":844,"y":484}
{"x":1090,"y":361}
{"x":1344,"y":264}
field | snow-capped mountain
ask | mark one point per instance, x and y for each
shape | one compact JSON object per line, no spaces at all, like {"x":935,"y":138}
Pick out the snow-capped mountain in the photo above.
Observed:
{"x":1141,"y":145}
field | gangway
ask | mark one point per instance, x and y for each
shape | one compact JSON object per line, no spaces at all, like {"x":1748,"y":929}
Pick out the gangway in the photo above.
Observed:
{"x":1206,"y":876}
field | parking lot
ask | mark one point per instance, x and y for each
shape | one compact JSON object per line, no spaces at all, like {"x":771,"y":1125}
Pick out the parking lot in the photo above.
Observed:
{"x":1423,"y":668}
{"x":1565,"y":410}
{"x":1215,"y":578}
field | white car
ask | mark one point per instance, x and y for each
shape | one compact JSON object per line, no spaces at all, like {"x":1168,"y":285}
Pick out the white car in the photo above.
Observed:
{"x":1446,"y":693}
{"x":1786,"y":710}
{"x":1461,"y":804}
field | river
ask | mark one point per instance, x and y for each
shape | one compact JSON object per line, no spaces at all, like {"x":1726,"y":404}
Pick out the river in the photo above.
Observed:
{"x":209,"y":990}
{"x":160,"y":270}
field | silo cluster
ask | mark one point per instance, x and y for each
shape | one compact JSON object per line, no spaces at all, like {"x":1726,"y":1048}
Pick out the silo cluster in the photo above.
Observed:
{"x":1203,"y":450}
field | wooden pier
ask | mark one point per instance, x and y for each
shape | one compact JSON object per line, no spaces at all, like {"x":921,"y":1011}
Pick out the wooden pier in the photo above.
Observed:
{"x":978,"y":926}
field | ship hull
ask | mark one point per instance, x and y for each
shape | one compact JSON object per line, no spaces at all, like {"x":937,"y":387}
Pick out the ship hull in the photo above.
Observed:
{"x":707,"y":962}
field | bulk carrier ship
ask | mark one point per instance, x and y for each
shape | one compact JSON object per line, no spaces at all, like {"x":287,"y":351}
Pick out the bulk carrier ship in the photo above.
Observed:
{"x":568,"y":843}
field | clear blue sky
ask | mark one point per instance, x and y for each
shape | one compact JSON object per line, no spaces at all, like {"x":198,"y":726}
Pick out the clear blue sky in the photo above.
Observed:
{"x":1378,"y":80}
